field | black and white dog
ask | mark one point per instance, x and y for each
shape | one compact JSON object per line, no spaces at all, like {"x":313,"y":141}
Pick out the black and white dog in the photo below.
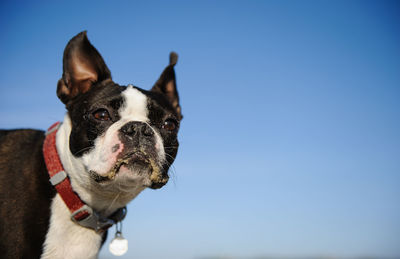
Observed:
{"x":114,"y":142}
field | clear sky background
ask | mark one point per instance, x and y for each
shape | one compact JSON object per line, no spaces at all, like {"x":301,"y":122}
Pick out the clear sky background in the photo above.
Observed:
{"x":290,"y":143}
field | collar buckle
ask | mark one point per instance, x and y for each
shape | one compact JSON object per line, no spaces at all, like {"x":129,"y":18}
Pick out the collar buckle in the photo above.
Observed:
{"x":88,"y":218}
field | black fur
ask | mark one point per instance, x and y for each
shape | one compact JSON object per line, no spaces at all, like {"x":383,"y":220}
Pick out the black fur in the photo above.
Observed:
{"x":25,"y":194}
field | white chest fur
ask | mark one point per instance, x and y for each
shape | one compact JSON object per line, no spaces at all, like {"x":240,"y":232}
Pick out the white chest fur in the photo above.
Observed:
{"x":65,"y":239}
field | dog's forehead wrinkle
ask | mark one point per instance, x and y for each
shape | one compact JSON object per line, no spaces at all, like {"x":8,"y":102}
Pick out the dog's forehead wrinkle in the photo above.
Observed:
{"x":102,"y":95}
{"x":106,"y":96}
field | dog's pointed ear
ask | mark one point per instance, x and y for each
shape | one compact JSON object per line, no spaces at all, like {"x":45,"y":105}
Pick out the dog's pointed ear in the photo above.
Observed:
{"x":82,"y":67}
{"x":166,"y":84}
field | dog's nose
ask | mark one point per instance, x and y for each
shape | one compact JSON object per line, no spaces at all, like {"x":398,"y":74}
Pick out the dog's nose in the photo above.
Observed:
{"x":136,"y":127}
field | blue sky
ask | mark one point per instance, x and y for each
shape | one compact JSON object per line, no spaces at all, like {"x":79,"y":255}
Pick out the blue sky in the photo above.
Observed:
{"x":290,"y":141}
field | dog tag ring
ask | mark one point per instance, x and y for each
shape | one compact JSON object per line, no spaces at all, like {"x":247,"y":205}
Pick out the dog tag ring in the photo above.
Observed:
{"x":119,"y":245}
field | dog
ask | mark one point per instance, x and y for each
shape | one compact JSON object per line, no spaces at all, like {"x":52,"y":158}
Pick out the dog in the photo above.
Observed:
{"x":61,"y":190}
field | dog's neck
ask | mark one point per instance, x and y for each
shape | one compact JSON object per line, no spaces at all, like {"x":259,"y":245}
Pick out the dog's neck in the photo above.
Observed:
{"x":104,"y":199}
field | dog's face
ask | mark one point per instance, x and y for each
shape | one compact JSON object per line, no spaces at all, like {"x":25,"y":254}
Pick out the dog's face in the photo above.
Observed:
{"x":121,"y":134}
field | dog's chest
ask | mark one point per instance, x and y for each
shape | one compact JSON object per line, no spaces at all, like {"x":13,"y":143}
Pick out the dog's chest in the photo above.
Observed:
{"x":65,"y":239}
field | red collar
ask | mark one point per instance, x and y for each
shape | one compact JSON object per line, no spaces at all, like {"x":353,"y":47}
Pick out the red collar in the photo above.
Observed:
{"x":81,"y":213}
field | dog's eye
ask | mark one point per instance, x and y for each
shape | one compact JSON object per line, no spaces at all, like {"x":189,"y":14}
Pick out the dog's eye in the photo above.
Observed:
{"x":170,"y":125}
{"x":102,"y":115}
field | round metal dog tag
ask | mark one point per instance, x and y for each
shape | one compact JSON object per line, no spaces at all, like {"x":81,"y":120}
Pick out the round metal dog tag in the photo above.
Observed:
{"x":118,"y":246}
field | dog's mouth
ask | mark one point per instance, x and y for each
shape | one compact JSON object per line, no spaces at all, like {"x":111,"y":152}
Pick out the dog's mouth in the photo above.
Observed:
{"x":137,"y":163}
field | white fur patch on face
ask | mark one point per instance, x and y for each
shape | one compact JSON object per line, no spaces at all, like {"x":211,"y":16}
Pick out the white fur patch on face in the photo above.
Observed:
{"x":135,"y":107}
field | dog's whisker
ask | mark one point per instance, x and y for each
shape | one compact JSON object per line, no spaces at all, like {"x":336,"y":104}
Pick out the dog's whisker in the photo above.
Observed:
{"x":82,"y":150}
{"x":113,"y":201}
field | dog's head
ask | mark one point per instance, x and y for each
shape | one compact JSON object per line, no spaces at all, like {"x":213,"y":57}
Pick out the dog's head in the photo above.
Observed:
{"x":122,"y":135}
